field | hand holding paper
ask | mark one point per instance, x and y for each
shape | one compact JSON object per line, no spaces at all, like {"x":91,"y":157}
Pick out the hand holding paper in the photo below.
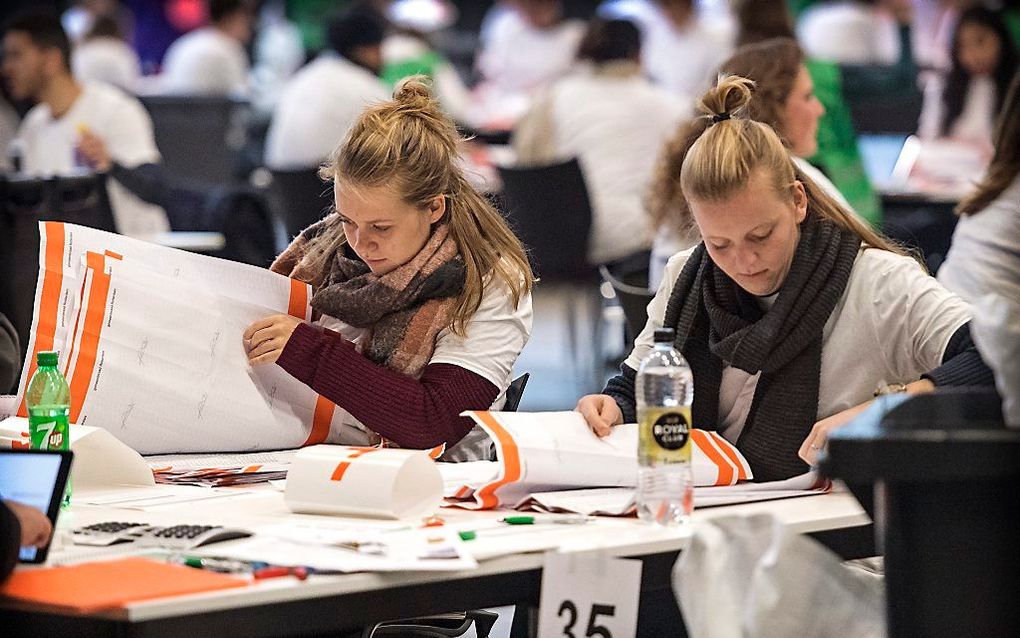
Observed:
{"x":266,"y":338}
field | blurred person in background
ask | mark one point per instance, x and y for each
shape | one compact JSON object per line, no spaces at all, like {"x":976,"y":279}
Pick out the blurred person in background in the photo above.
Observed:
{"x":965,"y":104}
{"x":985,"y":254}
{"x":526,"y":44}
{"x":408,"y":50}
{"x":613,"y":120}
{"x":212,"y":60}
{"x":853,"y":32}
{"x":324,"y":98}
{"x":681,"y":51}
{"x":36,"y":65}
{"x":103,"y":56}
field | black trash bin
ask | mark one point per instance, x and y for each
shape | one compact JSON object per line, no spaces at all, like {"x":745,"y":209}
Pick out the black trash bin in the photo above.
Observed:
{"x":946,"y":477}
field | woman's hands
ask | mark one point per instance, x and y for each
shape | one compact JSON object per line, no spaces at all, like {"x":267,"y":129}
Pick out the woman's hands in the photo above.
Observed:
{"x":819,"y":435}
{"x":265,"y":339}
{"x":35,"y":526}
{"x":601,"y":413}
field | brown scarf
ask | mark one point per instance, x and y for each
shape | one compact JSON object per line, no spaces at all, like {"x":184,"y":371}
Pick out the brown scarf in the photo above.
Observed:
{"x":718,"y":323}
{"x":405,"y":309}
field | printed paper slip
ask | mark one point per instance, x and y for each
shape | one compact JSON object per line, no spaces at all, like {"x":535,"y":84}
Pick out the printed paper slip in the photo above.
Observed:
{"x":546,"y":451}
{"x":150,"y":341}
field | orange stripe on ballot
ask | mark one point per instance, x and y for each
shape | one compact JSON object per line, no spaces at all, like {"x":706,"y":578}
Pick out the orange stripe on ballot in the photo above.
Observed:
{"x":49,"y":300}
{"x":322,"y":418}
{"x":298,"y":301}
{"x":93,"y":327}
{"x":705,"y":444}
{"x":486,"y":496}
{"x":341,"y":468}
{"x":727,"y":449}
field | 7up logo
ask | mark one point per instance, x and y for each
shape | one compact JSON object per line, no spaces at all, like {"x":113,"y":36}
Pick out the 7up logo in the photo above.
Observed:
{"x":55,"y":440}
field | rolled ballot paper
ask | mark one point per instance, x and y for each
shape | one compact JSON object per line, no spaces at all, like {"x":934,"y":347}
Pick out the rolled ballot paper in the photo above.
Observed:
{"x":363,"y":481}
{"x":100,"y":460}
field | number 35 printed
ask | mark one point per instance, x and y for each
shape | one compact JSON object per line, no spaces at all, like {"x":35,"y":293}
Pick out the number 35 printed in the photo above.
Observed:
{"x":568,"y":612}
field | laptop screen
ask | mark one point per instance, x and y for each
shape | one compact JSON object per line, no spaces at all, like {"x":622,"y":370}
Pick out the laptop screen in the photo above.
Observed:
{"x":29,"y":479}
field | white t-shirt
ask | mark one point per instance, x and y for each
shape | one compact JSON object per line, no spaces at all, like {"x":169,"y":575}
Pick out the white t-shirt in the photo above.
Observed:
{"x":494,"y":338}
{"x":593,"y":119}
{"x":892,"y":325}
{"x":47,"y":146}
{"x":205,"y":61}
{"x":317,"y":107}
{"x":985,"y":254}
{"x":682,"y":60}
{"x":520,"y":58}
{"x":976,"y":122}
{"x":849,"y":33}
{"x":107,"y":60}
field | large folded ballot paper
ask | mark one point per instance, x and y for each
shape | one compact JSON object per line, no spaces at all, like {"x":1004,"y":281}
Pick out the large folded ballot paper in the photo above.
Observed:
{"x":150,"y":340}
{"x":543,"y":451}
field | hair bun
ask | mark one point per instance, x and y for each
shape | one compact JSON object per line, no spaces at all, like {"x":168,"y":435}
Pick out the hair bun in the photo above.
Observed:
{"x":729,"y":96}
{"x":414,"y":91}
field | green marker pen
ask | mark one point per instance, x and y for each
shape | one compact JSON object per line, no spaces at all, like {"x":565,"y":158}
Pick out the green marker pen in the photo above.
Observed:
{"x":519,"y":520}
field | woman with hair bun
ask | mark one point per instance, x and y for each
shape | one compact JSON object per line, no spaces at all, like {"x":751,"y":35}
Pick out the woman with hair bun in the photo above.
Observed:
{"x":422,"y":293}
{"x":791,"y":311}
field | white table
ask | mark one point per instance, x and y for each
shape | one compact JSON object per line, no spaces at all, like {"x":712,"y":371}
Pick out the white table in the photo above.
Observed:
{"x":337,"y":603}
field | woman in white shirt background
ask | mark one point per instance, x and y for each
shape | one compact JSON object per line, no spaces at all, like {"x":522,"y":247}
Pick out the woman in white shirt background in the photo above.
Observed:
{"x":965,"y":103}
{"x":985,"y":254}
{"x":784,"y":99}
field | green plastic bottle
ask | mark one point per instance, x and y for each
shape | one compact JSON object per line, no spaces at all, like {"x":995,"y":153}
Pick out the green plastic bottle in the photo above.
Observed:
{"x":49,"y":406}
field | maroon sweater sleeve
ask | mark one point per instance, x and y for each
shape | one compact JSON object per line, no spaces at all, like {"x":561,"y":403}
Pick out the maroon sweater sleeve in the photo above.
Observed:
{"x":416,"y":414}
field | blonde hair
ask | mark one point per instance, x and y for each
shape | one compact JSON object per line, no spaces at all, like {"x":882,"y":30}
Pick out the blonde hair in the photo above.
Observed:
{"x":722,"y":152}
{"x":408,"y":145}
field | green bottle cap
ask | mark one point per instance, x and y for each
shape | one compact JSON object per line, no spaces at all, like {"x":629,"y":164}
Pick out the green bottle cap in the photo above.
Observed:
{"x":47,"y":359}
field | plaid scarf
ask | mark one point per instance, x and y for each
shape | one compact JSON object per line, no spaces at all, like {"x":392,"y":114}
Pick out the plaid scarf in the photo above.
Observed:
{"x":405,"y":309}
{"x":718,"y":323}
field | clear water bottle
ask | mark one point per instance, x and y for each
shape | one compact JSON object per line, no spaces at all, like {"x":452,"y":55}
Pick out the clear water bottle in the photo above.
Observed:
{"x":665,"y":392}
{"x":49,"y":405}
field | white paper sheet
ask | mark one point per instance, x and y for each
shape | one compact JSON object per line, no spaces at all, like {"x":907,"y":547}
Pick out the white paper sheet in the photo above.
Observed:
{"x":155,"y":498}
{"x":546,"y":451}
{"x":150,"y":341}
{"x":401,"y":550}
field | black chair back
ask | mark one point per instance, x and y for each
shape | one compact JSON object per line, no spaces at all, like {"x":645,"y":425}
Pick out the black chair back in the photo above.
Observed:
{"x":549,"y":209}
{"x":201,"y":138}
{"x":299,"y":198}
{"x":24,"y":202}
{"x":632,"y":290}
{"x":515,"y":391}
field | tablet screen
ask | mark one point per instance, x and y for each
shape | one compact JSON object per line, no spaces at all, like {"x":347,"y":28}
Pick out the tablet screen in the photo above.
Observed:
{"x":32,"y":478}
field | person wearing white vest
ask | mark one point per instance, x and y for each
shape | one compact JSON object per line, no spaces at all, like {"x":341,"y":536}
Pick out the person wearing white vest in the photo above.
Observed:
{"x":211,"y":60}
{"x":613,"y":120}
{"x":36,"y":65}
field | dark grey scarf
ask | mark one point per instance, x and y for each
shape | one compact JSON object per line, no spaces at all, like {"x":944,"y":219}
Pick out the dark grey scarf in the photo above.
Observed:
{"x":717,"y":322}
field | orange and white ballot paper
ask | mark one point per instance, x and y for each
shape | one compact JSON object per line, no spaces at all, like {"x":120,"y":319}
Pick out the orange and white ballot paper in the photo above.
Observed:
{"x":150,"y":342}
{"x":543,"y":451}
